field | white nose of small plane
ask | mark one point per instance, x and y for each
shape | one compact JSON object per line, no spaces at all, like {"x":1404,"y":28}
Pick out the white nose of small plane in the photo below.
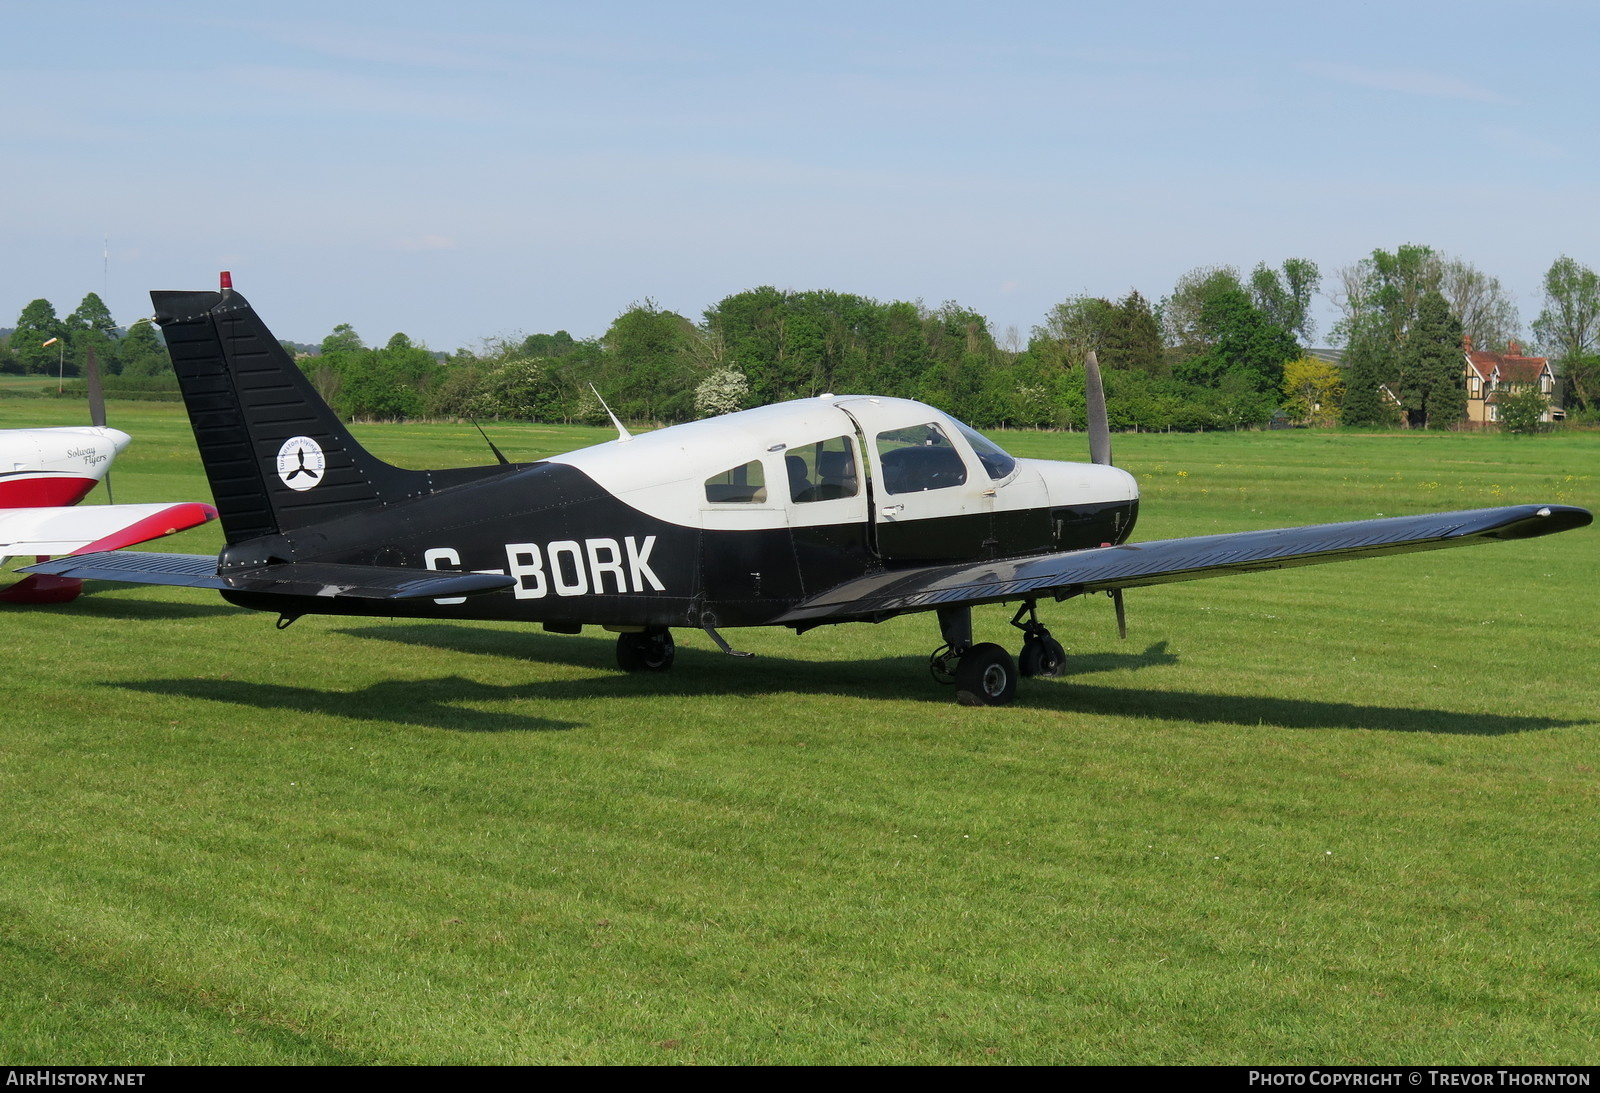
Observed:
{"x":118,"y":438}
{"x":1086,"y":483}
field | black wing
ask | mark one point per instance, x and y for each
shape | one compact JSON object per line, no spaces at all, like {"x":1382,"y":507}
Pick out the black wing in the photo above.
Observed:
{"x":1063,"y":575}
{"x":367,"y":582}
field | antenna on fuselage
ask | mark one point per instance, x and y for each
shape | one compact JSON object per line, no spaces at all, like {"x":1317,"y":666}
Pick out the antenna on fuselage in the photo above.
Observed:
{"x":1094,"y":398}
{"x":498,"y":454}
{"x":622,"y":430}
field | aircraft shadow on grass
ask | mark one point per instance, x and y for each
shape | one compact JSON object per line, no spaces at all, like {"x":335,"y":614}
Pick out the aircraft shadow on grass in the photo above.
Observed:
{"x":598,"y":653}
{"x":95,"y":603}
{"x":438,"y":703}
{"x":426,"y":703}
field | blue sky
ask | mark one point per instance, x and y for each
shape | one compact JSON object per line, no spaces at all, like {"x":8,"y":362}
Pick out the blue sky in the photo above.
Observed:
{"x":469,"y":170}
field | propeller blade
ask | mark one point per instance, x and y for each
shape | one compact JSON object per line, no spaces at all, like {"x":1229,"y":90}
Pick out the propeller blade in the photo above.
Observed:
{"x":1095,"y":406}
{"x":97,"y":405}
{"x":97,"y":398}
{"x":1122,"y":616}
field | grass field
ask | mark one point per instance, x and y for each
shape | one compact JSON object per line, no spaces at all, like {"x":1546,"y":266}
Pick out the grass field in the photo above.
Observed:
{"x":1344,"y":814}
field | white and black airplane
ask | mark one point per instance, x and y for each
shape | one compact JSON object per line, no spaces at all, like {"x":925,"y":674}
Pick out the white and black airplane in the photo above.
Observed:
{"x":833,"y":509}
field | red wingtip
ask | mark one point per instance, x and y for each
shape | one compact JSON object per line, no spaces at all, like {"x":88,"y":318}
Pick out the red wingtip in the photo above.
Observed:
{"x":169,"y":521}
{"x":227,"y":281}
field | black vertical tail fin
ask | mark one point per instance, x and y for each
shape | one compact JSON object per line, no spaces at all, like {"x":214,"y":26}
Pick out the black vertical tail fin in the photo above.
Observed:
{"x":277,"y":457}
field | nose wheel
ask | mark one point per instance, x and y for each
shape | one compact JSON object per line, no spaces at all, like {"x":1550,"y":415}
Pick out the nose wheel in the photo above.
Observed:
{"x":1041,"y":654}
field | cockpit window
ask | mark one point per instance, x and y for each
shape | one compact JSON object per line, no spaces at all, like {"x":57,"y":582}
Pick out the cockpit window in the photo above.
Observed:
{"x":743,"y":485}
{"x":823,"y":471}
{"x":919,"y":458}
{"x":996,"y":462}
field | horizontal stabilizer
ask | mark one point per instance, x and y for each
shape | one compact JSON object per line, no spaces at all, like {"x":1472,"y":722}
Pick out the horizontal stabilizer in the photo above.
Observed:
{"x":97,"y":527}
{"x":1165,"y":561}
{"x":284,"y":579}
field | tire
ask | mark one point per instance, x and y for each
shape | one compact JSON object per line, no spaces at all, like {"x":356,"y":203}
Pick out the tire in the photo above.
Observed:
{"x":651,"y":651}
{"x":986,"y":676}
{"x":1042,"y":657}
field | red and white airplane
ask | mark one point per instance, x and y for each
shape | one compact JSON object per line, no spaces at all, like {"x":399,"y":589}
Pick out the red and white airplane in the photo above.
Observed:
{"x":43,"y":474}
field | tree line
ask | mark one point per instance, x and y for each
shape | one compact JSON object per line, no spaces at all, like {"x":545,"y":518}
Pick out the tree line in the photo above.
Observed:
{"x":1222,"y":349}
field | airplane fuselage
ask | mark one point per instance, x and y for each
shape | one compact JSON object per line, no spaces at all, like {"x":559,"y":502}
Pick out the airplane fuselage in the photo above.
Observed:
{"x":48,"y":467}
{"x":725,"y":522}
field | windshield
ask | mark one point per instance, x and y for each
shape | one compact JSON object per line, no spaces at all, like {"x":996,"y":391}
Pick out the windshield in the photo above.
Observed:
{"x":995,"y":461}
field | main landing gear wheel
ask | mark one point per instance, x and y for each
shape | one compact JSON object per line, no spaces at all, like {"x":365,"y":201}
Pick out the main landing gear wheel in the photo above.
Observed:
{"x":650,"y":651}
{"x":986,"y":676}
{"x":1042,"y":656}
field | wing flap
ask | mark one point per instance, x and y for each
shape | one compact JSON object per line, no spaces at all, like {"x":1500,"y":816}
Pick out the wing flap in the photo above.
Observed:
{"x":1169,"y":560}
{"x":285,"y":578}
{"x":364,"y":582}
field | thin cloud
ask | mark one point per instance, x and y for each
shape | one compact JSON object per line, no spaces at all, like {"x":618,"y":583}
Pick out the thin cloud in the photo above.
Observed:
{"x":1407,"y":81}
{"x":425,"y":242}
{"x":351,"y":94}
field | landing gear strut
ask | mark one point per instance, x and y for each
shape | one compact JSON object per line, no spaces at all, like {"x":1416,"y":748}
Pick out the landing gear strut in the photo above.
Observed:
{"x":984,"y":675}
{"x":649,"y":651}
{"x":1041,"y":654}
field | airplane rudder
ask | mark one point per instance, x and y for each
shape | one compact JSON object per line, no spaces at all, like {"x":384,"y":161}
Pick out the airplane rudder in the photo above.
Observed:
{"x":277,"y":455}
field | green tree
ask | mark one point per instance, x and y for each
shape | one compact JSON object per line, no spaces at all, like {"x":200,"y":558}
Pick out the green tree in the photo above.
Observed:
{"x":391,"y":383}
{"x":1243,"y":342}
{"x":143,"y":354}
{"x":656,"y":355}
{"x":1568,"y":328}
{"x":92,"y":314}
{"x":1312,"y":389}
{"x":91,"y":325}
{"x":964,"y":355}
{"x":1486,"y":312}
{"x":522,"y":389}
{"x":904,"y":355}
{"x":1432,"y":387}
{"x":1284,"y":296}
{"x":798,"y":344}
{"x":1070,"y":330}
{"x":724,"y":391}
{"x":1521,"y":408}
{"x":1366,"y":372}
{"x":1131,"y":336}
{"x":1185,"y":329}
{"x":343,"y":339}
{"x":1039,"y":393}
{"x":540,"y":346}
{"x":1381,"y":294}
{"x":36,"y":325}
{"x":749,"y":330}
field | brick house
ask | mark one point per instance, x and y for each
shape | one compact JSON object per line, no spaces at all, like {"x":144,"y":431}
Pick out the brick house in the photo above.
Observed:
{"x":1489,"y":373}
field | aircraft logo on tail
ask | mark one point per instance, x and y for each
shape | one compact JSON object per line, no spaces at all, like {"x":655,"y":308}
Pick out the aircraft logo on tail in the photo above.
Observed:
{"x":301,"y":463}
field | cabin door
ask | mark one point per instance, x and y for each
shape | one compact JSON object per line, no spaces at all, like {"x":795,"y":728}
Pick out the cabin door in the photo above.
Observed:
{"x":929,"y":497}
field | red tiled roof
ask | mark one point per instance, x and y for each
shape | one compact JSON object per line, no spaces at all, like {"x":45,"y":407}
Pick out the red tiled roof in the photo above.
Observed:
{"x":1521,"y":369}
{"x":1512,"y":367}
{"x":1482,"y":363}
